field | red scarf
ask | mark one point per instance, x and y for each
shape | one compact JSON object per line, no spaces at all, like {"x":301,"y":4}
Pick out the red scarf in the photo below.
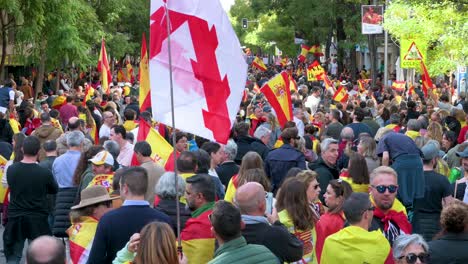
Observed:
{"x":399,"y":218}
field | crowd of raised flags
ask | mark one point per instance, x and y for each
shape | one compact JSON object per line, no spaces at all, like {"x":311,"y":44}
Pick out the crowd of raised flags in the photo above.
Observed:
{"x":295,"y":137}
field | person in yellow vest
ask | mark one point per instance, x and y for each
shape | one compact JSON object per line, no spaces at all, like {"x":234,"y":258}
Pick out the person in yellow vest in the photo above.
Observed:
{"x":355,"y":244}
{"x":102,"y":165}
{"x":129,"y":123}
{"x":412,"y":128}
{"x":95,"y":202}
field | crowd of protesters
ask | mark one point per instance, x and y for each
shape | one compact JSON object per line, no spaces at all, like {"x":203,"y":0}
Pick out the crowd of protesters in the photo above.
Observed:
{"x":378,"y":178}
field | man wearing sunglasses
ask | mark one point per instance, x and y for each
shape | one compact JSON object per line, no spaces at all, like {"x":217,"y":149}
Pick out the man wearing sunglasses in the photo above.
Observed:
{"x":354,"y":243}
{"x":389,"y":214}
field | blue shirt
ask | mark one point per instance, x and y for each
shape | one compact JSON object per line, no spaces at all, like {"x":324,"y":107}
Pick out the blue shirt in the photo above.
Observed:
{"x":64,"y":167}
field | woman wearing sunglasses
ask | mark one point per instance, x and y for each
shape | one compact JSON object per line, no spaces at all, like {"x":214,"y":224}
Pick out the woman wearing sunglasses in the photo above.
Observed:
{"x":410,"y":249}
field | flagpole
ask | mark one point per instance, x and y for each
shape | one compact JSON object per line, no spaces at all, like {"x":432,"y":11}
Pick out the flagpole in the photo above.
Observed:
{"x":168,"y":27}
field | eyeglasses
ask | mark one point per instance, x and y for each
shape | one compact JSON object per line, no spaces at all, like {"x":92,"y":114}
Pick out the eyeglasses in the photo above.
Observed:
{"x":383,"y":188}
{"x":412,"y":258}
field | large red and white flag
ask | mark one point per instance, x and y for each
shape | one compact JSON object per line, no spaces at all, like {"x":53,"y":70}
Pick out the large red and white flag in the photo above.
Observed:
{"x":208,"y":67}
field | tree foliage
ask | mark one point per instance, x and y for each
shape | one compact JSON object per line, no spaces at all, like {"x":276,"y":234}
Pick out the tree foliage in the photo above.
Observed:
{"x":443,"y":25}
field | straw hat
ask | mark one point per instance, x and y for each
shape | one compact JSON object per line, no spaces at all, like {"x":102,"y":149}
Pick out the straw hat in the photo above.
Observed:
{"x":94,"y":195}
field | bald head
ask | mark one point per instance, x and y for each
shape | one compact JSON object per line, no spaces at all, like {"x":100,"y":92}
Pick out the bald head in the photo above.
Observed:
{"x":250,"y":198}
{"x":46,"y":249}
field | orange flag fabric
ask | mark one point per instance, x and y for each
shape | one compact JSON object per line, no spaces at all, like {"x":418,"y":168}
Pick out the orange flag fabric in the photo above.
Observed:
{"x":398,"y":86}
{"x":145,"y":90}
{"x":161,"y":149}
{"x":304,"y":50}
{"x":426,"y":79}
{"x":258,"y":63}
{"x":277,"y":92}
{"x":104,"y":69}
{"x":341,"y":95}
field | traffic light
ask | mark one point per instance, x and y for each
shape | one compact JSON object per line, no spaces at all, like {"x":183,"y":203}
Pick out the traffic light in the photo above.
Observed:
{"x":244,"y":23}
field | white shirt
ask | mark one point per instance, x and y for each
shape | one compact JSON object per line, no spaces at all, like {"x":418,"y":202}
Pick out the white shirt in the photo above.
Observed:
{"x":104,"y":131}
{"x":312,"y":102}
{"x":300,"y":126}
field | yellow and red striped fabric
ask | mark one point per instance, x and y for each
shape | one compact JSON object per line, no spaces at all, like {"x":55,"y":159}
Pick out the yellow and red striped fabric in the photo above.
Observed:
{"x":81,"y":236}
{"x":145,"y":89}
{"x":341,"y":95}
{"x":198,"y":242}
{"x":104,"y":69}
{"x":308,"y":238}
{"x":103,"y":180}
{"x":258,"y":63}
{"x":277,"y":92}
{"x":59,"y":101}
{"x":304,"y":50}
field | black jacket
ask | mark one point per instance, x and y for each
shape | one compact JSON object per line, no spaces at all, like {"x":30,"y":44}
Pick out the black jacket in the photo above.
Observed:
{"x":244,"y":145}
{"x":325,"y":173}
{"x":64,"y":201}
{"x":169,"y":207}
{"x":279,"y":161}
{"x":276,"y":238}
{"x":260,"y":148}
{"x":449,"y":249}
{"x":226,"y":170}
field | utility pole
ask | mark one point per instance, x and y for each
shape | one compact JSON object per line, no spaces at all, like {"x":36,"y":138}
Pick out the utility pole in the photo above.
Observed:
{"x":386,"y":52}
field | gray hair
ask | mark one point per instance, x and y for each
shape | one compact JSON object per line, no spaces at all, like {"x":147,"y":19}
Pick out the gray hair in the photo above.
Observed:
{"x":326,"y":144}
{"x":347,"y":133}
{"x":75,"y":138}
{"x":414,"y":124}
{"x":113,"y":147}
{"x":261,"y":132}
{"x":231,"y":149}
{"x":165,"y":188}
{"x":403,"y":241}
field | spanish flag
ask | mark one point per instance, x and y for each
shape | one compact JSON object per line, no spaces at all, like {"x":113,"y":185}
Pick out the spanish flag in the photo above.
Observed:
{"x":81,"y":236}
{"x":59,"y":101}
{"x":277,"y":92}
{"x":258,"y":63}
{"x":145,"y":90}
{"x":369,"y":247}
{"x":316,"y":50}
{"x":231,"y":189}
{"x":328,"y":83}
{"x":198,"y":242}
{"x":284,"y":62}
{"x":256,"y":89}
{"x":292,"y":84}
{"x":121,"y":77}
{"x":341,"y":95}
{"x":307,"y":237}
{"x":104,"y":69}
{"x":130,"y":77}
{"x":317,"y":70}
{"x":3,"y":190}
{"x":411,"y":90}
{"x":304,"y":50}
{"x":15,"y":126}
{"x":89,"y":93}
{"x":426,"y":79}
{"x":399,"y":86}
{"x":161,"y":149}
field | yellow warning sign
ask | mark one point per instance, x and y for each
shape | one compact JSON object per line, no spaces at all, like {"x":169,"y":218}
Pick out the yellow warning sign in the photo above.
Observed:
{"x":412,"y":51}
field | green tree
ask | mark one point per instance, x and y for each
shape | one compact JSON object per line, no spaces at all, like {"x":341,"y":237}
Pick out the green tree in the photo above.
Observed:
{"x":443,"y":25}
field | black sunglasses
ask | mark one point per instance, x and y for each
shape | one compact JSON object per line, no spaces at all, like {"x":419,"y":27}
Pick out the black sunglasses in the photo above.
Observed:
{"x":383,"y":188}
{"x":412,"y":258}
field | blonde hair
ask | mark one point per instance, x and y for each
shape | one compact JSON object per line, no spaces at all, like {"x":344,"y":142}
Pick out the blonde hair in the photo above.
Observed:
{"x":157,"y":245}
{"x":307,"y":176}
{"x":382,"y":170}
{"x":435,"y":131}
